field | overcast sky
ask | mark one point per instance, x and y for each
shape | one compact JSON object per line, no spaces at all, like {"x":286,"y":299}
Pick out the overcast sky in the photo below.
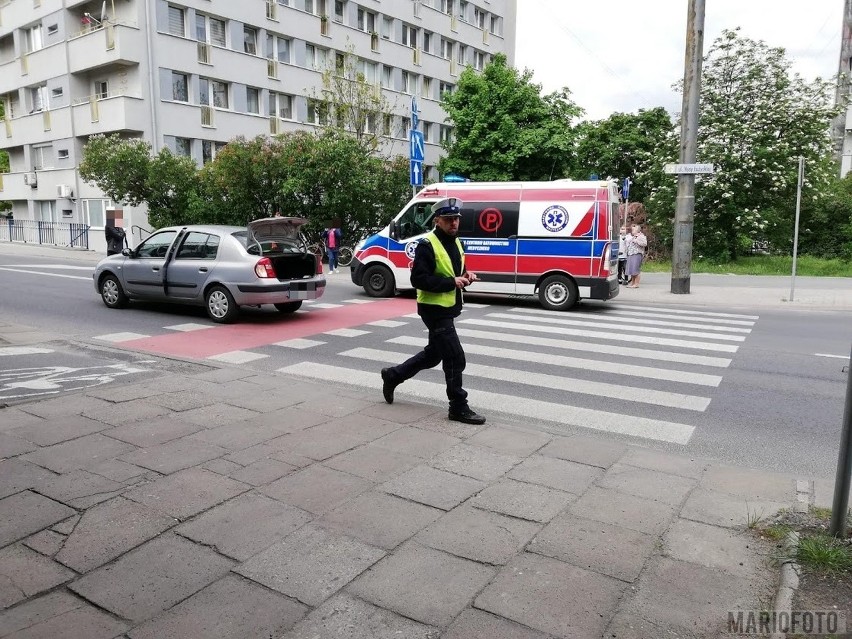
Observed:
{"x":623,"y":55}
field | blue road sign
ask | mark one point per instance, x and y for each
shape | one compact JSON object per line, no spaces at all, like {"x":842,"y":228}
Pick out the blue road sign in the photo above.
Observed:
{"x":416,"y":146}
{"x":416,"y":173}
{"x":625,"y":189}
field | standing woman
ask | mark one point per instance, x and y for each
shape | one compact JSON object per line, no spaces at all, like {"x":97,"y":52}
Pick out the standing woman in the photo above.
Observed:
{"x":636,"y":245}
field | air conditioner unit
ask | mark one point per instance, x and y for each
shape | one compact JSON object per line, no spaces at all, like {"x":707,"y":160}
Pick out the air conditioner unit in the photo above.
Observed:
{"x":31,"y":179}
{"x":64,"y":191}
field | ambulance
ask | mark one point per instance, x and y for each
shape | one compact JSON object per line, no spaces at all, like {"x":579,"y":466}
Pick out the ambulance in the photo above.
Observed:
{"x":557,"y":240}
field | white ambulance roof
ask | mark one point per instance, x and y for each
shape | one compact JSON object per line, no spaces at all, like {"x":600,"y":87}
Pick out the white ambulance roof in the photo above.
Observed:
{"x":522,"y":185}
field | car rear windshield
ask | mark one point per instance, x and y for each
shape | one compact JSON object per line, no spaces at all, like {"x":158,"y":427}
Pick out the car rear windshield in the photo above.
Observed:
{"x":270,"y":245}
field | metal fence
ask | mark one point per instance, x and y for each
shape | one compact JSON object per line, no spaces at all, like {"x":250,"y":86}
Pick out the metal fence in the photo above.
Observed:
{"x":38,"y":232}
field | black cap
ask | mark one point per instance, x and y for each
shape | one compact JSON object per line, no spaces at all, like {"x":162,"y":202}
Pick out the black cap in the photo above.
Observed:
{"x":448,"y":207}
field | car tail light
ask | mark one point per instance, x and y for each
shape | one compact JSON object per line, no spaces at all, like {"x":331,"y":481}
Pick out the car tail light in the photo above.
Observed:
{"x":264,"y":268}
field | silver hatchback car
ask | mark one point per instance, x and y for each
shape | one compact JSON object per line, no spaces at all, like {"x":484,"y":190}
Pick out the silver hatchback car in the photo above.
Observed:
{"x":218,"y":267}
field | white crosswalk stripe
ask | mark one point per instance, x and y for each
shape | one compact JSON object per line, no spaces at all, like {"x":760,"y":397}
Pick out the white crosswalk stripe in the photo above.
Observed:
{"x":645,"y":320}
{"x":681,"y":311}
{"x":618,"y":312}
{"x":528,"y":408}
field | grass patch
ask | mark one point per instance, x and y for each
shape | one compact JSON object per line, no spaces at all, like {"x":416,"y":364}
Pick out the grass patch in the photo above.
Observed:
{"x":776,"y":532}
{"x":821,"y":513}
{"x":806,"y":265}
{"x":825,"y":553}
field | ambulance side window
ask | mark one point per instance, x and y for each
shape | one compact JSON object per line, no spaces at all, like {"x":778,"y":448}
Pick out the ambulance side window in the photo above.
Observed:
{"x":416,"y":220}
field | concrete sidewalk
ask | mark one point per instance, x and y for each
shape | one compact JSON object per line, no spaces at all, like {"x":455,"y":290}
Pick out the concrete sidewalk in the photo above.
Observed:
{"x":232,"y":505}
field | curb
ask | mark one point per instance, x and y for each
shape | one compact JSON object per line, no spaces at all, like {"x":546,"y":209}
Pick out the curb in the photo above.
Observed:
{"x":789,"y":581}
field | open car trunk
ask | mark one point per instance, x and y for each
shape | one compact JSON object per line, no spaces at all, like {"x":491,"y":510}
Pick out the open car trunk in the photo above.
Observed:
{"x":294,"y":267}
{"x":280,"y":240}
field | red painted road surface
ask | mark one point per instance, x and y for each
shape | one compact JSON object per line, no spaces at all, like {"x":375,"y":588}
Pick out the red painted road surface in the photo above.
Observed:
{"x":239,"y":337}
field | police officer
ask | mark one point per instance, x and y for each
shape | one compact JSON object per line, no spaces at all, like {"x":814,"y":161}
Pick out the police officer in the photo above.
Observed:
{"x":439,"y":276}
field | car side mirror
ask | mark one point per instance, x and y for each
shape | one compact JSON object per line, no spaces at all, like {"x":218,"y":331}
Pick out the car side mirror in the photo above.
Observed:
{"x":126,"y":252}
{"x":394,"y":230}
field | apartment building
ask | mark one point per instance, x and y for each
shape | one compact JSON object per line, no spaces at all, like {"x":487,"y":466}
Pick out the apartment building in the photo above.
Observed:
{"x":190,"y":75}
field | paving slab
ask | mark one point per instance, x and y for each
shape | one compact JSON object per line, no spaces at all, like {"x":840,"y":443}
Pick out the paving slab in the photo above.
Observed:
{"x":231,"y":608}
{"x":522,"y":500}
{"x":261,"y":472}
{"x":416,"y":441}
{"x":433,"y":487}
{"x":316,"y":488}
{"x":79,"y":488}
{"x":552,"y":596}
{"x":66,"y":526}
{"x":12,"y":445}
{"x":423,"y":584}
{"x":556,"y":473}
{"x":380,"y":519}
{"x":58,"y":615}
{"x":438,"y":423}
{"x":345,"y":617}
{"x":268,"y":450}
{"x":373,"y":462}
{"x":650,"y":484}
{"x":151,"y":432}
{"x":664,"y":462}
{"x":478,"y":462}
{"x":621,"y":509}
{"x":25,"y":513}
{"x":730,"y":511}
{"x":216,"y":414}
{"x":291,"y":420}
{"x":54,"y":430}
{"x":83,"y":452}
{"x":130,"y":411}
{"x":174,"y":455}
{"x":71,"y":404}
{"x":586,"y":450}
{"x":122,"y":393}
{"x":510,"y":441}
{"x":25,"y":573}
{"x":315,"y":445}
{"x":238,"y":435}
{"x":267,"y":402}
{"x":480,"y":535}
{"x":604,"y":548}
{"x":180,"y":401}
{"x":11,"y":418}
{"x":363,"y":427}
{"x":476,"y":624}
{"x":221,"y":466}
{"x":399,"y":413}
{"x":311,"y":564}
{"x":245,"y":525}
{"x":120,"y":471}
{"x":152,"y":578}
{"x":186,"y":492}
{"x":745,"y":482}
{"x":108,"y":530}
{"x":337,"y":405}
{"x":18,"y":474}
{"x":736,"y":552}
{"x":46,"y":542}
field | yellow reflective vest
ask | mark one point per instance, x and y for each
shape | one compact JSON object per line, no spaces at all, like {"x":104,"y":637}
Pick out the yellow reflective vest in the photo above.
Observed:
{"x":443,"y":266}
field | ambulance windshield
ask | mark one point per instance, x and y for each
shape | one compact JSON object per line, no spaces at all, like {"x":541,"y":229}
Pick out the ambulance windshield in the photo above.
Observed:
{"x":417,"y":220}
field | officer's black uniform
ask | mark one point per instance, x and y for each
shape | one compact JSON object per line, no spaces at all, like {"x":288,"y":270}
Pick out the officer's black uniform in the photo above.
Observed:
{"x":444,"y":345}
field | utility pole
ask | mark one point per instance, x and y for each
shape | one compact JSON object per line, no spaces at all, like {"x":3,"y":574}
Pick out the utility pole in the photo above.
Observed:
{"x":685,"y":209}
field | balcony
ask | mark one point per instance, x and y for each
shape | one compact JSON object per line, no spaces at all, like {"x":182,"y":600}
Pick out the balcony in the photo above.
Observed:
{"x":119,"y":44}
{"x":38,"y":127}
{"x":98,"y":114}
{"x":33,"y":68}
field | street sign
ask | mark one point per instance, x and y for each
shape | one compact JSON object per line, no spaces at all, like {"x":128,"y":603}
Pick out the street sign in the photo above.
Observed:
{"x":415,"y":119}
{"x":416,"y":173}
{"x":416,"y":140}
{"x":689,"y":169}
{"x":625,"y":189}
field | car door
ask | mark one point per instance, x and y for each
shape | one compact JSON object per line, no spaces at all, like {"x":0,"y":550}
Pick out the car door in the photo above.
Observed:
{"x":193,"y":263}
{"x":143,"y":270}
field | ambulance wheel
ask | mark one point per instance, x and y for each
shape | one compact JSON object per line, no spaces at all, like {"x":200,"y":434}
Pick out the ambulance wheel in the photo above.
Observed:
{"x":558,"y":293}
{"x":378,"y":281}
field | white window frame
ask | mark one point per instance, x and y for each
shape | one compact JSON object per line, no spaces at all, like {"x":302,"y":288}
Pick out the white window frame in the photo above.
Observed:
{"x":177,"y":21}
{"x":98,"y":220}
{"x":33,"y":38}
{"x":366,"y":20}
{"x":256,"y":100}
{"x":207,"y":33}
{"x":179,"y":143}
{"x":42,"y":156}
{"x":249,"y":40}
{"x":280,"y":105}
{"x":213,"y":88}
{"x":409,"y":35}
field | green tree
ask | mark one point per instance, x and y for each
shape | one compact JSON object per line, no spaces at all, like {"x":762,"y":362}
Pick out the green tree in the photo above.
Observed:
{"x":756,"y":119}
{"x":118,"y":166}
{"x":504,"y":129}
{"x":826,"y":224}
{"x":625,"y":145}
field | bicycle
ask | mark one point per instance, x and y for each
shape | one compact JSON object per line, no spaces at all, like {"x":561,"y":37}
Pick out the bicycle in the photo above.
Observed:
{"x":344,"y":253}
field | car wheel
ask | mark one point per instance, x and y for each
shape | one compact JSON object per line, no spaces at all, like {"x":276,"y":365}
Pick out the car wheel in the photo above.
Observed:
{"x":220,"y":305}
{"x":289,"y":307}
{"x":111,"y":292}
{"x":558,"y":293}
{"x":378,"y":281}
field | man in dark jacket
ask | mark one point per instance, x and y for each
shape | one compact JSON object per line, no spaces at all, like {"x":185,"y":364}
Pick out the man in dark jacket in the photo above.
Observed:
{"x":439,"y":275}
{"x":115,"y":238}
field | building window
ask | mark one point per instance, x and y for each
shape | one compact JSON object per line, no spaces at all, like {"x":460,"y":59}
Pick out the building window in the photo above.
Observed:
{"x":39,"y":98}
{"x":278,"y":46}
{"x":32,"y":38}
{"x":339,"y":63}
{"x":252,"y":100}
{"x":56,"y":92}
{"x":446,"y":134}
{"x":409,"y":36}
{"x":366,"y":20}
{"x":42,"y":156}
{"x":387,"y":27}
{"x":445,"y":87}
{"x":463,"y":10}
{"x":250,"y":40}
{"x":209,"y":29}
{"x":315,"y":57}
{"x":94,"y":212}
{"x":407,"y":82}
{"x":183,"y":147}
{"x":102,"y":89}
{"x":213,"y":93}
{"x":63,"y":154}
{"x":446,"y":49}
{"x":281,"y":105}
{"x":180,"y":87}
{"x":387,"y":124}
{"x":404,"y":126}
{"x":369,"y":71}
{"x":495,"y":25}
{"x":46,"y":211}
{"x":210,"y":149}
{"x":427,"y":41}
{"x":478,"y":60}
{"x":479,"y":17}
{"x":426,"y":91}
{"x":317,"y":112}
{"x":461,"y":51}
{"x":339,"y":10}
{"x":387,"y":76}
{"x":447,"y":7}
{"x":427,"y":131}
{"x":177,"y":25}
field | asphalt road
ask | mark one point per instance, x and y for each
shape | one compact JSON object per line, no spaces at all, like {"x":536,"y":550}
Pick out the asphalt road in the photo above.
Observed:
{"x":758,"y":388}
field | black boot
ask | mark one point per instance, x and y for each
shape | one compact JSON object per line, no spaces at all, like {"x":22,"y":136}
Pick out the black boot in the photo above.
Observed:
{"x":388,"y":385}
{"x":466,"y":415}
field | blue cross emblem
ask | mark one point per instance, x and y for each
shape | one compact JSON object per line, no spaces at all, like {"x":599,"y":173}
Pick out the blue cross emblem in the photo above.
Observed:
{"x":554,"y":218}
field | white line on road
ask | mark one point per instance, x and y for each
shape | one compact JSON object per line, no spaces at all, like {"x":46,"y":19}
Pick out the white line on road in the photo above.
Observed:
{"x":829,"y":355}
{"x":187,"y":327}
{"x":632,"y":328}
{"x":237,"y":357}
{"x":387,"y":324}
{"x":618,"y":368}
{"x":607,"y":319}
{"x":326,"y":305}
{"x":70,"y":277}
{"x":299,"y":343}
{"x":23,"y":350}
{"x":692,"y":318}
{"x":347,"y":332}
{"x":358,"y":301}
{"x":506,"y":404}
{"x":609,"y":335}
{"x":679,"y":311}
{"x":544,"y":381}
{"x":58,"y":267}
{"x":120,"y":337}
